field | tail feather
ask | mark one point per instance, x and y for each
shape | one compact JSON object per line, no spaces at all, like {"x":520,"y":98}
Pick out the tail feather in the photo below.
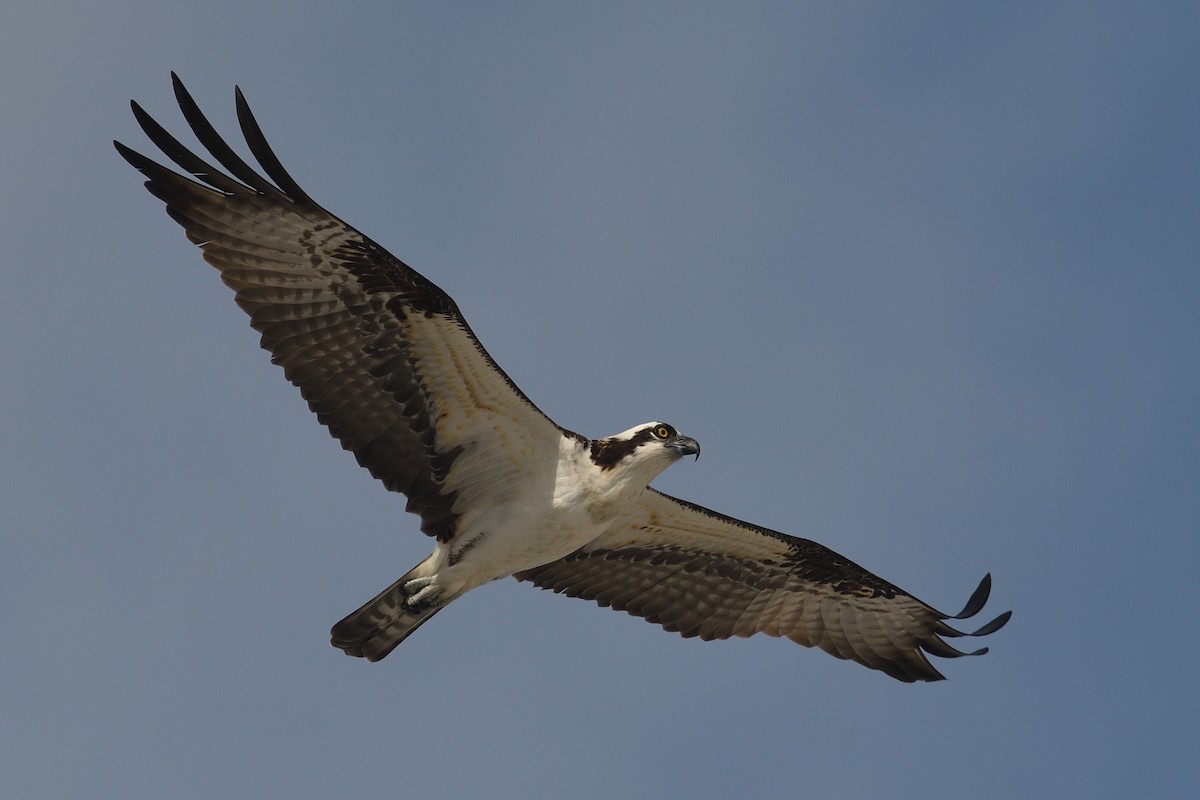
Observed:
{"x":382,"y":623}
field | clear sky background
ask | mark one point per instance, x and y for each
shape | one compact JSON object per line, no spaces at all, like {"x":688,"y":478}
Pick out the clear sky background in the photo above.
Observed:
{"x":922,"y":278}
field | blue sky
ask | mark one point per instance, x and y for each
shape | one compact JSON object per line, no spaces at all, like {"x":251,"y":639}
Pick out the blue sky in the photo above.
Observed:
{"x":921,"y":278}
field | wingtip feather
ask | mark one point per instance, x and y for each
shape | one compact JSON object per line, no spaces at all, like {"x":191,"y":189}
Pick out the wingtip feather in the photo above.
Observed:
{"x":995,"y":625}
{"x":977,"y":600}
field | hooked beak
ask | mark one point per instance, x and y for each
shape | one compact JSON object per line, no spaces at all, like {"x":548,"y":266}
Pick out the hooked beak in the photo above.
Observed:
{"x":685,"y":446}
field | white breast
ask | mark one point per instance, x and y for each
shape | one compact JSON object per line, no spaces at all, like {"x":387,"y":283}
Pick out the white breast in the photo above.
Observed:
{"x":555,"y":509}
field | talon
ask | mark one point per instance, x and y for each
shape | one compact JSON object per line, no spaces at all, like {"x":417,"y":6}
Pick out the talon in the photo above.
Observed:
{"x":421,"y":593}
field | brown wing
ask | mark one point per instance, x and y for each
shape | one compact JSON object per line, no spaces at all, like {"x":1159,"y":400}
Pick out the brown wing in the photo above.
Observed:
{"x":703,"y":574}
{"x":380,"y":353}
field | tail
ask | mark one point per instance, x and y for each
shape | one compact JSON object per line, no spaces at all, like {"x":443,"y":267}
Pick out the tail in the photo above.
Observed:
{"x":374,"y":630}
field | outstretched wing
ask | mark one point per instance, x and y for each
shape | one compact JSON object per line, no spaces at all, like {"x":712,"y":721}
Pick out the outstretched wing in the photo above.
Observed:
{"x":380,"y":353}
{"x":703,"y":574}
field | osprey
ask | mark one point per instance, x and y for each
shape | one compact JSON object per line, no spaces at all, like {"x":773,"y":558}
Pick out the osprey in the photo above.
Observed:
{"x":390,"y":366}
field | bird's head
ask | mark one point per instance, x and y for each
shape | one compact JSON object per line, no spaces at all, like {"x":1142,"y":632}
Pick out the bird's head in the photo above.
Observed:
{"x":644,"y":449}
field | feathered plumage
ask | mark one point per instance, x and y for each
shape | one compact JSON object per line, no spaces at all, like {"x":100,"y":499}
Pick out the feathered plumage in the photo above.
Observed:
{"x":388,"y":363}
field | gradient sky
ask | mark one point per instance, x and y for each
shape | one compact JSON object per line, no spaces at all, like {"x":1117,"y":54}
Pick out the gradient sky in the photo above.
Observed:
{"x":922,"y":278}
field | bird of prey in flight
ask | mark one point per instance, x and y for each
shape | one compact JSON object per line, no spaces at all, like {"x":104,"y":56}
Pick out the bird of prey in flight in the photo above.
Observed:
{"x":389,"y":365}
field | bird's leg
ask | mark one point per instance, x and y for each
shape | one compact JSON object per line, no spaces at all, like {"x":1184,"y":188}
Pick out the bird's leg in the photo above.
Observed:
{"x":420,"y":593}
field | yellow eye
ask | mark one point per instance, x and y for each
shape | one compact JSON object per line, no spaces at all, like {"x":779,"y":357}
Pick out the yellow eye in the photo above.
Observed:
{"x":662,"y":431}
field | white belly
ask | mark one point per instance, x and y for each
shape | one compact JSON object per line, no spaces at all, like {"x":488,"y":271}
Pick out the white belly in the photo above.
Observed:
{"x":497,"y":538}
{"x":517,"y":536}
